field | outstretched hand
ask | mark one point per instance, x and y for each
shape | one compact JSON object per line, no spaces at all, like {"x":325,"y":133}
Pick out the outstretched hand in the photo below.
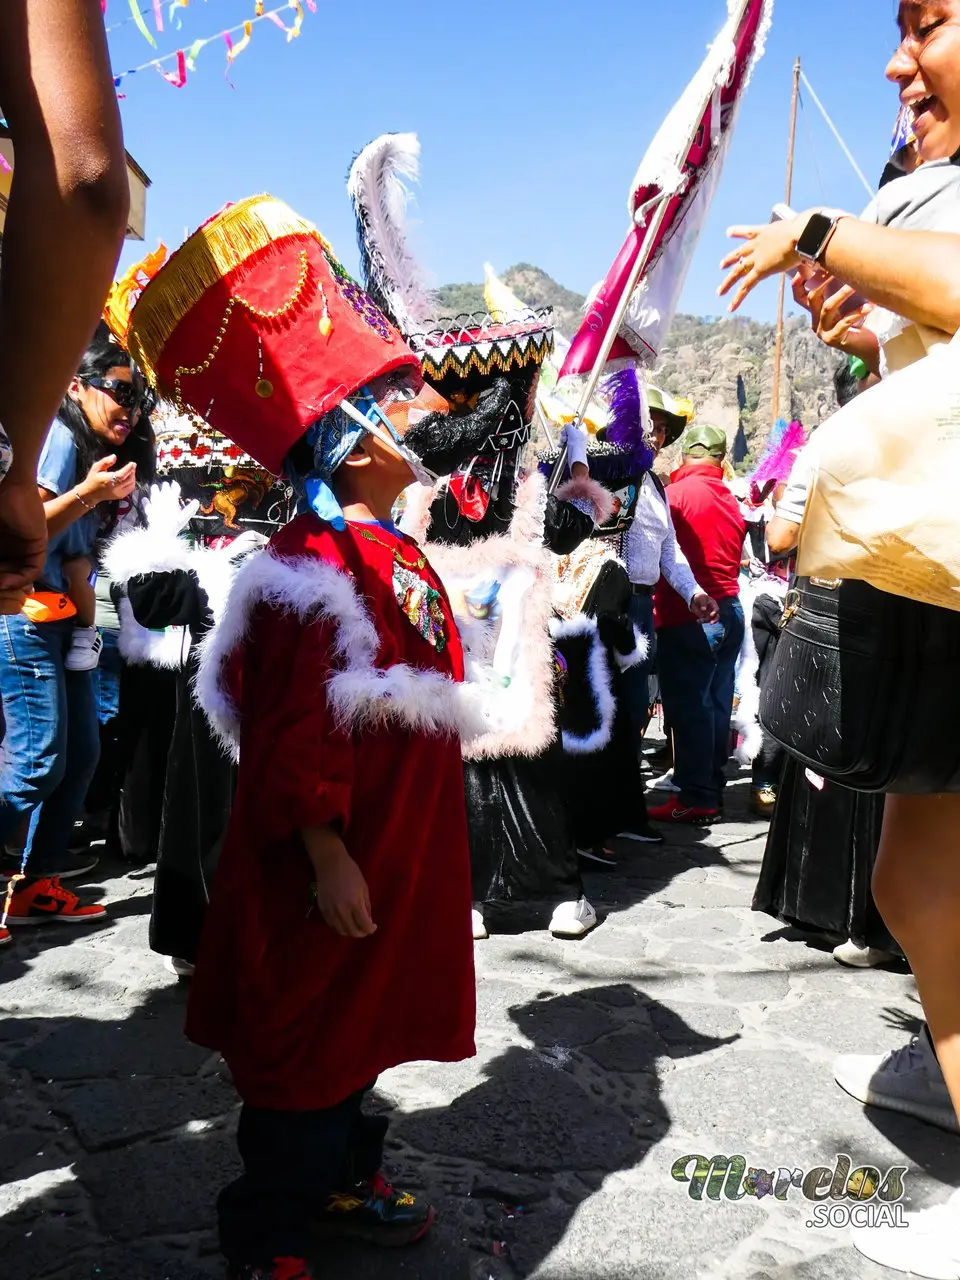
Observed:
{"x":767,"y":250}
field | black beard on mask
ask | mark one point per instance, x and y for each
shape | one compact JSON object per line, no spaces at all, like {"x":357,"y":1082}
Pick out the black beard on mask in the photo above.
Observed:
{"x":444,"y":442}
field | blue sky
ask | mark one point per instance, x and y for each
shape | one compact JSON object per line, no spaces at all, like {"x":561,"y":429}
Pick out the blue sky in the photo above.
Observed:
{"x":532,"y":119}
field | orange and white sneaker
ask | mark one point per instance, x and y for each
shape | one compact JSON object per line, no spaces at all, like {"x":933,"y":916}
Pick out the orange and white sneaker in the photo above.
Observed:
{"x":46,"y":901}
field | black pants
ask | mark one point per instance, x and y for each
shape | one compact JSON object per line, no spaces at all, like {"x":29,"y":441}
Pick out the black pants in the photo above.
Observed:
{"x":294,"y":1160}
{"x":767,"y":612}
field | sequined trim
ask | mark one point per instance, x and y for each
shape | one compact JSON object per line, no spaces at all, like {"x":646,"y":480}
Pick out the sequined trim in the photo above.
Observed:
{"x":364,"y":306}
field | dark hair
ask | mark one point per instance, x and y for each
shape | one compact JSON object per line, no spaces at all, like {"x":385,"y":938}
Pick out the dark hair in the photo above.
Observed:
{"x":140,"y":447}
{"x":845,"y":385}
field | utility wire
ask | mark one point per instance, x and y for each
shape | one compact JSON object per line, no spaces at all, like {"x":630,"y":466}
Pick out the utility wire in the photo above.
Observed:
{"x":836,"y":133}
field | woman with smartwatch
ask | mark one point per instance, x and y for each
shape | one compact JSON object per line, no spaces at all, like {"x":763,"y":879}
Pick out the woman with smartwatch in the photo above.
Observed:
{"x":97,"y":449}
{"x":902,"y":257}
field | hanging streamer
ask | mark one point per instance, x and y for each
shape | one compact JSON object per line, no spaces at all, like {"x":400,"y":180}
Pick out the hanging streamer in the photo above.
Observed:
{"x":141,"y":25}
{"x":173,"y":16}
{"x":258,"y":9}
{"x":192,"y":53}
{"x":179,"y":78}
{"x":186,"y":61}
{"x":235,"y":50}
{"x":158,"y":15}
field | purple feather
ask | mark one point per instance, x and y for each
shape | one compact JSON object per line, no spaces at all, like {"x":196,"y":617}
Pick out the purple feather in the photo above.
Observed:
{"x":625,"y":428}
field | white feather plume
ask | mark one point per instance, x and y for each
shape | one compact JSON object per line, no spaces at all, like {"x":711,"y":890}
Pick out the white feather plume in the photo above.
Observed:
{"x":392,"y":276}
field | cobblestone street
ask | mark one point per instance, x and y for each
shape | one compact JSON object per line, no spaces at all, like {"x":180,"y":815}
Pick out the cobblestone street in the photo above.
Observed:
{"x":685,"y":1024}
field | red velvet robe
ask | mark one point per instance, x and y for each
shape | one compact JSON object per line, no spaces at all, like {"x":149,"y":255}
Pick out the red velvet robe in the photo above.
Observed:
{"x":347,"y":715}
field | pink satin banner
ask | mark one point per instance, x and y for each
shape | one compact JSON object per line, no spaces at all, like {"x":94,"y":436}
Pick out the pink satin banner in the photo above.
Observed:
{"x":585,"y":347}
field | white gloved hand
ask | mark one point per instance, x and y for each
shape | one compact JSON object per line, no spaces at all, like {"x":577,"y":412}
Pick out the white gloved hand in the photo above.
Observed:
{"x":575,"y":438}
{"x":163,"y":511}
{"x":242,"y":546}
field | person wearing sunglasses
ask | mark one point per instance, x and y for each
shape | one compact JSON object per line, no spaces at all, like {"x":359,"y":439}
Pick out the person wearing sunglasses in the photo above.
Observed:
{"x":99,"y":447}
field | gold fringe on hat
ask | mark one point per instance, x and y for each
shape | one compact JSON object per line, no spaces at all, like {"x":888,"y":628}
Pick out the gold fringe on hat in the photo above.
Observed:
{"x":201,"y":262}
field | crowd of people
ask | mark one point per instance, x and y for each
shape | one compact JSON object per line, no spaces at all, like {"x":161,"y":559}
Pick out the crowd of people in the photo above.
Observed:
{"x":297,"y":605}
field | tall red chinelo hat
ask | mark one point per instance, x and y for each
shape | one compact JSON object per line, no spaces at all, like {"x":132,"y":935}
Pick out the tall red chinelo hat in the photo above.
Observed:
{"x":254,"y":326}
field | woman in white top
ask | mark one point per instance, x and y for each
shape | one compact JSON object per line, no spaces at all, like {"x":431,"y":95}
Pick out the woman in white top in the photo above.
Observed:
{"x":907,"y":261}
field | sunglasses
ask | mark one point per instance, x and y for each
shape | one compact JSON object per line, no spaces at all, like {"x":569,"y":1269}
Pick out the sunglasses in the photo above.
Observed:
{"x":128,"y":395}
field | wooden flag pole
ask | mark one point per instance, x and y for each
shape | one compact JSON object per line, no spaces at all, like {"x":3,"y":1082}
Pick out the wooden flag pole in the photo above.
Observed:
{"x":778,"y":354}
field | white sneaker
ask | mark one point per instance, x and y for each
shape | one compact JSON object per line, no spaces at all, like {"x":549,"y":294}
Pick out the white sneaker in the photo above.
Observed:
{"x":479,"y":928}
{"x":928,"y":1246}
{"x":573,"y":919}
{"x":857,"y":957}
{"x":84,"y":651}
{"x":663,"y":783}
{"x":908,"y":1080}
{"x":181,"y":968}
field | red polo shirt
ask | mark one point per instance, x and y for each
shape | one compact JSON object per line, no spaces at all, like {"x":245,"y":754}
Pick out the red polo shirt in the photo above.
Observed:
{"x":710,"y":531}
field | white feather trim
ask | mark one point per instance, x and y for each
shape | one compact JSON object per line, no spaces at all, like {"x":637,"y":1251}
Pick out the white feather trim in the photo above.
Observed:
{"x":598,"y":671}
{"x":141,"y":647}
{"x":137,"y":552}
{"x":361,"y":693}
{"x":746,"y":718}
{"x":638,"y":654}
{"x":380,"y":198}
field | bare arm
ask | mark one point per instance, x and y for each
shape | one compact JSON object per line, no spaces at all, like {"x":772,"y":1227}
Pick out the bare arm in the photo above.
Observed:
{"x":913,"y":273}
{"x":99,"y":485}
{"x":64,"y":228}
{"x":782,"y":535}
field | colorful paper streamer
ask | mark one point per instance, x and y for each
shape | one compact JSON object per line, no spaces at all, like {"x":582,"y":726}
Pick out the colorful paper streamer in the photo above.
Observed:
{"x":179,"y":78}
{"x":141,"y":25}
{"x":186,"y":61}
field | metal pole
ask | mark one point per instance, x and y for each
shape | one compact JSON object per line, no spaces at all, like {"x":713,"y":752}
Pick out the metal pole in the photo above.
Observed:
{"x":778,"y":354}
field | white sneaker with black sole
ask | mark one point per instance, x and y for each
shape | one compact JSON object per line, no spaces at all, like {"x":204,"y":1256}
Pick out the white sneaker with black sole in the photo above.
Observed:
{"x":928,"y":1246}
{"x":86,"y":645}
{"x":643,"y":835}
{"x":573,"y":919}
{"x":602,"y":857}
{"x":908,"y":1080}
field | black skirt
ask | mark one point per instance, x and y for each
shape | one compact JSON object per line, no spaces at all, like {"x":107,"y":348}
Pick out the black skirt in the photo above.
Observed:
{"x":819,"y":859}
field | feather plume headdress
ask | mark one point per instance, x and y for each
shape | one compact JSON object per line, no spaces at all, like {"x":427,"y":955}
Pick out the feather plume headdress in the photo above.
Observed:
{"x":380,"y":198}
{"x":775,"y":465}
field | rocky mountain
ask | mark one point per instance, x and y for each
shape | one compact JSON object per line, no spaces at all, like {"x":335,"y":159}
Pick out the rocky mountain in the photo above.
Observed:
{"x":703,"y":357}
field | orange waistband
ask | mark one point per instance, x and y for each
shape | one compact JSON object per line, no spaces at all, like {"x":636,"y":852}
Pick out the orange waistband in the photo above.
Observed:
{"x":49,"y":606}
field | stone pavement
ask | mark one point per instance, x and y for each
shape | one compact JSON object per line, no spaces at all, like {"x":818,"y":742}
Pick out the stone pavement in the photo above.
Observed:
{"x":684,"y":1025}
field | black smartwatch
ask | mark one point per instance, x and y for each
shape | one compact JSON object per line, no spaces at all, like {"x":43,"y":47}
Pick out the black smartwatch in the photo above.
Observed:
{"x":816,"y":235}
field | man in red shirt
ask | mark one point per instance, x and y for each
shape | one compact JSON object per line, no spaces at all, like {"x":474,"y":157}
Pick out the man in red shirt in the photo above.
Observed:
{"x":697,"y":661}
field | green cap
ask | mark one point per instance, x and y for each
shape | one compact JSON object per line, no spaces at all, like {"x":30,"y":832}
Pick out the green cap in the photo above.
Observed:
{"x":705,"y":442}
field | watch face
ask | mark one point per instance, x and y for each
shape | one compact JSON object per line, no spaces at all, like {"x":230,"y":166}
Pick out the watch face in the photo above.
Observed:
{"x":813,"y":235}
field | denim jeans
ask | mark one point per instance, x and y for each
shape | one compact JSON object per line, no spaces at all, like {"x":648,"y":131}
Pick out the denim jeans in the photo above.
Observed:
{"x":635,"y":682}
{"x":52,"y":742}
{"x":107,"y":676}
{"x":697,"y":684}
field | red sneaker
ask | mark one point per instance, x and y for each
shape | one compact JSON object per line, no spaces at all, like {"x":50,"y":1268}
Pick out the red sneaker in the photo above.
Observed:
{"x":5,"y":936}
{"x":46,"y":901}
{"x":278,"y":1269}
{"x":676,"y":811}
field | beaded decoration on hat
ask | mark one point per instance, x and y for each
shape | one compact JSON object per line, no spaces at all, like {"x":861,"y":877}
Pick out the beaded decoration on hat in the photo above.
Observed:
{"x":256,"y":327}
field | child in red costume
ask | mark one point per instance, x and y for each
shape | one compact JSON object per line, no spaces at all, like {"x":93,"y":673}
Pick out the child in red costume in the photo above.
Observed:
{"x":337,"y":942}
